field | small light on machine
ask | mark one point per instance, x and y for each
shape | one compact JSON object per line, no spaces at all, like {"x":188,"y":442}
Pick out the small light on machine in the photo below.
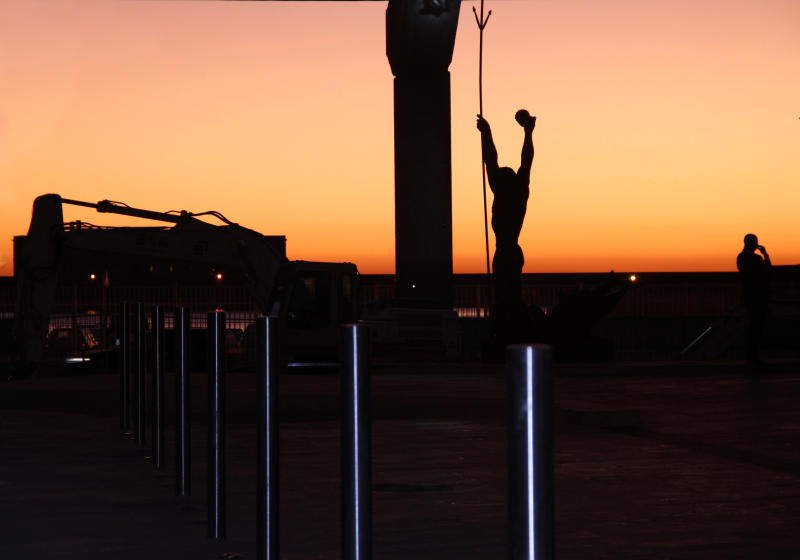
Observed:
{"x":219,"y":276}
{"x":92,"y":276}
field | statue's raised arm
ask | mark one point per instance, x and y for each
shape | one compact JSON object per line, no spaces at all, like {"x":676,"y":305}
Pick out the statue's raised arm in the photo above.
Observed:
{"x":528,"y":123}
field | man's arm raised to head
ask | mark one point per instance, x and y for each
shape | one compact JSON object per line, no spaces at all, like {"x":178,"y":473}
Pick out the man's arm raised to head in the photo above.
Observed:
{"x":528,"y":123}
{"x":763,"y":251}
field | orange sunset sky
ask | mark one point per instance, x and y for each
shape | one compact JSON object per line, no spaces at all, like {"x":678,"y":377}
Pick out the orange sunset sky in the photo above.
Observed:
{"x":666,"y":129}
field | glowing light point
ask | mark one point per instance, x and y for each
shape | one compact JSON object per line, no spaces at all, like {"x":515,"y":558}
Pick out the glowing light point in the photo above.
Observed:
{"x":92,"y":276}
{"x":219,"y":276}
{"x":632,"y":278}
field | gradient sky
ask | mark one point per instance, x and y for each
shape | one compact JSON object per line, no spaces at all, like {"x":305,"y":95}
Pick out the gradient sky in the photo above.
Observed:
{"x":666,"y":129}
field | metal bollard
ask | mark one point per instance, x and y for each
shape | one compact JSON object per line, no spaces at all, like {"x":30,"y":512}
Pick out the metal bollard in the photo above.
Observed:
{"x":268,"y":532}
{"x":183,"y":449}
{"x":356,"y":454}
{"x":139,"y":384}
{"x":124,"y":368}
{"x":216,"y":426}
{"x":530,"y":452}
{"x":158,"y":388}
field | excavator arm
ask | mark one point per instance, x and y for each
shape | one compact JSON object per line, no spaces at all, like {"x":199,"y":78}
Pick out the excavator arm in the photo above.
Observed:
{"x":50,"y":241}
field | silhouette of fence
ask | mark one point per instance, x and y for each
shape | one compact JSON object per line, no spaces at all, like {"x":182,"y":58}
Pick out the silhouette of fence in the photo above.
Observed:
{"x":654,"y":294}
{"x":671,"y":307}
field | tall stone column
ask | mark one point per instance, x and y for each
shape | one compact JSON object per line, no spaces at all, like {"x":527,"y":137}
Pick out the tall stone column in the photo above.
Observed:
{"x":420,"y":35}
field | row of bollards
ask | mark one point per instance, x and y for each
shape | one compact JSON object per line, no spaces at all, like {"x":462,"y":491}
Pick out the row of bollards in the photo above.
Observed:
{"x":530,"y":432}
{"x":216,"y":405}
{"x":136,"y":425}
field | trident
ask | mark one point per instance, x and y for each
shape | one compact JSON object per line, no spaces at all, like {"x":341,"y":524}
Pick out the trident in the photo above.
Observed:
{"x":481,"y":21}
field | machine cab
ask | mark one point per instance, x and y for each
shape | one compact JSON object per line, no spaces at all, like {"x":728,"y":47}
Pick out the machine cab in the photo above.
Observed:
{"x":313,"y":299}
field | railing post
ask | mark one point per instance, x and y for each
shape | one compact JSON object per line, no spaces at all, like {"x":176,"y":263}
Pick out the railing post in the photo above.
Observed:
{"x":139,"y":385}
{"x":216,"y":426}
{"x":268,"y":532}
{"x":125,"y":368}
{"x":530,"y":452}
{"x":356,"y":453}
{"x":183,"y":449}
{"x":158,"y":387}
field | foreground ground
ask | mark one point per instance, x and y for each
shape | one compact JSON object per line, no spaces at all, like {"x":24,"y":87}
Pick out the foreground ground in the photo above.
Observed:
{"x":672,"y":461}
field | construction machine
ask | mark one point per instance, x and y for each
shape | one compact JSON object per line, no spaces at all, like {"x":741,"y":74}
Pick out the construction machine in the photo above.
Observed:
{"x":310,"y":298}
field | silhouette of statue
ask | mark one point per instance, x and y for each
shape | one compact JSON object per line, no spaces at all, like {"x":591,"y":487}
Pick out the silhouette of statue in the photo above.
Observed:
{"x":754,"y":273}
{"x":510,"y":192}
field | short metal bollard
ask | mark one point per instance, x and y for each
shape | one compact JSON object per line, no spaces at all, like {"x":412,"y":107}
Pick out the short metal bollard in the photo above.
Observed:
{"x":158,"y":388}
{"x":183,"y":449}
{"x":124,"y":368}
{"x":139,"y":385}
{"x":216,"y":426}
{"x":356,"y":452}
{"x":268,"y":532}
{"x":530,"y":452}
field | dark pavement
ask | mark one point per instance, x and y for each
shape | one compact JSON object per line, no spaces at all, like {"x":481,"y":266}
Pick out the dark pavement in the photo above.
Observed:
{"x":657,"y":460}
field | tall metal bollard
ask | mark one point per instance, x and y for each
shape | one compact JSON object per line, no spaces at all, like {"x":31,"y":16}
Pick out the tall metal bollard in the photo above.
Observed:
{"x":124,"y":368}
{"x":530,"y":452}
{"x":158,"y":387}
{"x":216,"y":426}
{"x":139,"y":384}
{"x":183,"y":449}
{"x":356,"y":453}
{"x":268,"y":532}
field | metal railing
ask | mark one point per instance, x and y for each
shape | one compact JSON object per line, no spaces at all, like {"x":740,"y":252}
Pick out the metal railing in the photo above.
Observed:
{"x":530,"y":430}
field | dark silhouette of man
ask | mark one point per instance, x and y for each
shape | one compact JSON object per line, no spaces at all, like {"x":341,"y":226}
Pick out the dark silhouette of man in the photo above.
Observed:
{"x":510,"y":192}
{"x":754,"y":273}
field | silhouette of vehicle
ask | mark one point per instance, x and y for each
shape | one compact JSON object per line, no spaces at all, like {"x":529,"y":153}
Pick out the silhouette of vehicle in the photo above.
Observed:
{"x":66,"y":341}
{"x":310,"y":298}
